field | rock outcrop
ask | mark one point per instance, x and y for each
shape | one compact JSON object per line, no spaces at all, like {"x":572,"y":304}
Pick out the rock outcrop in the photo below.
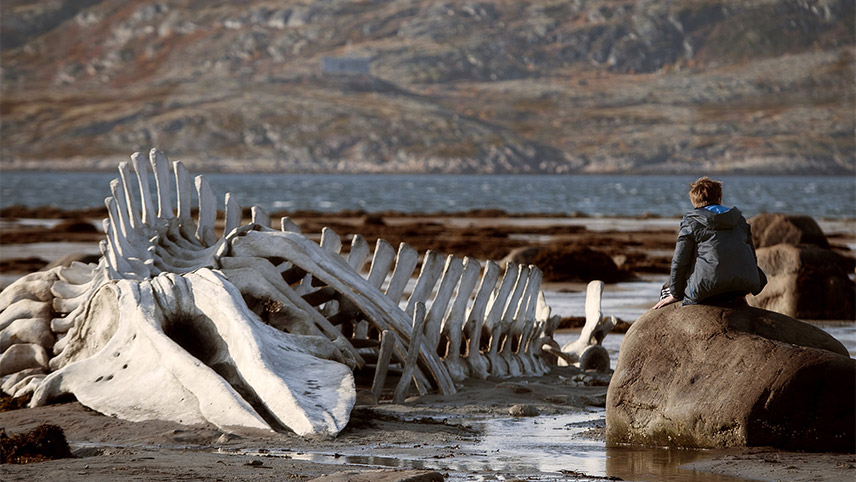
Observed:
{"x":805,"y":282}
{"x":806,"y":279}
{"x":570,"y":263}
{"x":716,"y":376}
{"x":770,"y":229}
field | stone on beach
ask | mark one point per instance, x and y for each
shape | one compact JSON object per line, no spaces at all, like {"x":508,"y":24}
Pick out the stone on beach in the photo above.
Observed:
{"x":716,"y":376}
{"x":806,"y":279}
{"x":569,"y":263}
{"x":770,"y":229}
{"x":806,"y":282}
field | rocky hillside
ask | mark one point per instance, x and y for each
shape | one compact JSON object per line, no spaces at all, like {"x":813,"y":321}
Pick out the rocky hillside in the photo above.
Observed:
{"x":516,"y":86}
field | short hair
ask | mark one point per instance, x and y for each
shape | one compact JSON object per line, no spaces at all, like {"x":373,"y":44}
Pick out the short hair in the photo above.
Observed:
{"x":705,"y":191}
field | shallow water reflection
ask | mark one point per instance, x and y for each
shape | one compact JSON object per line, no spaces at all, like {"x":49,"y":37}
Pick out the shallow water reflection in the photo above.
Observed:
{"x":545,"y":448}
{"x":656,"y":465}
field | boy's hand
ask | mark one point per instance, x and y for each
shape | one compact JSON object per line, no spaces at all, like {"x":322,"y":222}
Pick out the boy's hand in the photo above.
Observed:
{"x":665,"y":301}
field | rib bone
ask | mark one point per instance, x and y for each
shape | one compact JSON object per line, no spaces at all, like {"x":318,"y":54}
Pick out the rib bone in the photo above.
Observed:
{"x":257,"y":327}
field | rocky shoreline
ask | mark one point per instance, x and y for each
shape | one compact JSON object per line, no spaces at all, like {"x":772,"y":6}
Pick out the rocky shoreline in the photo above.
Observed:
{"x":439,"y":432}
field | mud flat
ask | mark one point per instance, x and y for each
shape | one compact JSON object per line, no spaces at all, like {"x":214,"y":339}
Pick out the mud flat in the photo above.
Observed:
{"x":473,"y":435}
{"x":470,"y":436}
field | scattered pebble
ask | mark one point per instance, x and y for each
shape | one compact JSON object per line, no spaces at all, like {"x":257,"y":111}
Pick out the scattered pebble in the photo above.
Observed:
{"x":521,"y":410}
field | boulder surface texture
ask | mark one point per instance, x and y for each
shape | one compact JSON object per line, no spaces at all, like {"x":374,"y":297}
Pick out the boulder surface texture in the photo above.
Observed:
{"x":806,"y":282}
{"x":713,"y":376}
{"x":806,"y":278}
{"x":770,"y":229}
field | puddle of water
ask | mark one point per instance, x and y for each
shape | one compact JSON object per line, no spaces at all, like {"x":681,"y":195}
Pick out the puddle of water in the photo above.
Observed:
{"x":547,"y":448}
{"x":544,"y":444}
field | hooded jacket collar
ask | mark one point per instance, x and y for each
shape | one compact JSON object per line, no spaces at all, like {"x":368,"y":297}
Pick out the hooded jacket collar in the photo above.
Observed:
{"x":726,"y":220}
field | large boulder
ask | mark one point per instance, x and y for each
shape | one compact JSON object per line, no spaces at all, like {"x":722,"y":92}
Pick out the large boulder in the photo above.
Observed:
{"x":806,"y":282}
{"x":806,"y":279}
{"x":716,"y":376}
{"x":561,"y":262}
{"x":769,"y":229}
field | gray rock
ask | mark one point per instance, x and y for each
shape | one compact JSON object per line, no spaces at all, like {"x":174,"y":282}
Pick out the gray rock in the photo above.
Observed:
{"x":806,"y":282}
{"x":710,"y":376}
{"x":769,"y":229}
{"x":521,"y":410}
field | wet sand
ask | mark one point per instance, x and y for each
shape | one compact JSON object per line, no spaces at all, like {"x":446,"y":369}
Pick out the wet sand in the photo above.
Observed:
{"x":426,"y":434}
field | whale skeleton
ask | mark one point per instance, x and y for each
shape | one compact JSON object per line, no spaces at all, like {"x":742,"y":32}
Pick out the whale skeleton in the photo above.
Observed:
{"x":258,"y":327}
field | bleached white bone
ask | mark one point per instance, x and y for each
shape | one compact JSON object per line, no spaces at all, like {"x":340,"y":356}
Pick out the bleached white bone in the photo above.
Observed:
{"x":334,"y":271}
{"x":431,"y":269}
{"x":330,"y":240}
{"x":156,"y":271}
{"x":289,"y":225}
{"x":184,"y":190}
{"x":412,"y":353}
{"x":259,"y":216}
{"x":492,"y":321}
{"x":139,"y":165}
{"x":259,"y":356}
{"x":505,"y":328}
{"x":22,"y":356}
{"x":382,"y":261}
{"x":387,"y":341}
{"x":478,"y":362}
{"x":207,"y":212}
{"x":133,"y":210}
{"x":29,"y":287}
{"x":24,"y":308}
{"x":592,"y":333}
{"x":26,"y":386}
{"x":116,"y":235}
{"x":77,"y":273}
{"x":359,"y":252}
{"x":160,"y":167}
{"x":118,"y":191}
{"x":453,"y":325}
{"x":434,"y":318}
{"x":234,"y":213}
{"x":62,"y":325}
{"x":12,"y":380}
{"x":405,"y":262}
{"x":515,"y":358}
{"x":27,"y":330}
{"x":264,"y":269}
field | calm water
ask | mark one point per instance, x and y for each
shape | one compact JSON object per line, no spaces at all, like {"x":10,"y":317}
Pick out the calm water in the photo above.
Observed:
{"x":597,"y":195}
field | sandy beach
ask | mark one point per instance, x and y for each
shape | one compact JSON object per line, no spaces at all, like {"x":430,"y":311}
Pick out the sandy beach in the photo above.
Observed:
{"x":472,"y":435}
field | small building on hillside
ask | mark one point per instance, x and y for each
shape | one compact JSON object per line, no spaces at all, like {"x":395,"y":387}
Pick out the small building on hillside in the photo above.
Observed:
{"x":346,"y":66}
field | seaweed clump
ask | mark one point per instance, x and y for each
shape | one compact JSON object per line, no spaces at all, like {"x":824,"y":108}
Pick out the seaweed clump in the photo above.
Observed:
{"x":45,"y":442}
{"x":7,"y":403}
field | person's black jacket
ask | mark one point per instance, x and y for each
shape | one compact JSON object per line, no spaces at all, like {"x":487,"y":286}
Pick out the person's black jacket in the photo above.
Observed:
{"x":714,"y":255}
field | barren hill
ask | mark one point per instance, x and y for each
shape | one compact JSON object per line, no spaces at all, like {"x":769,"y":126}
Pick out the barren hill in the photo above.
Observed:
{"x":515,"y":86}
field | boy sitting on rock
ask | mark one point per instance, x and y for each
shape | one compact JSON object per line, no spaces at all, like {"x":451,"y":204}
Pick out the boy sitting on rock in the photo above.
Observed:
{"x":714,"y":258}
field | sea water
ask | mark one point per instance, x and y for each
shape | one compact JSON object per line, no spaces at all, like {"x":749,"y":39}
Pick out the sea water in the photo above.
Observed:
{"x":594,"y":195}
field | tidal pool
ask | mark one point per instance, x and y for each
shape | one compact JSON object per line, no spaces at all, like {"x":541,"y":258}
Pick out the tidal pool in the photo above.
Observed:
{"x":543,"y":448}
